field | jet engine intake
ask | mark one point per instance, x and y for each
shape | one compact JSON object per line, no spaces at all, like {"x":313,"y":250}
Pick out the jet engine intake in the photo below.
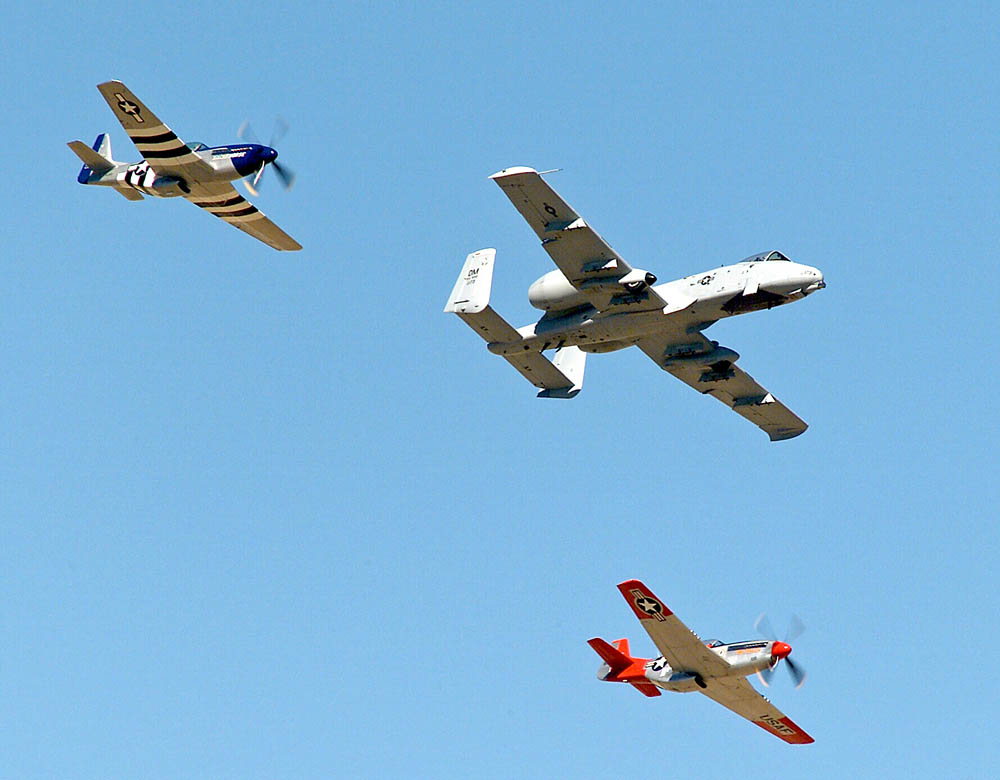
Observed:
{"x":637,"y":280}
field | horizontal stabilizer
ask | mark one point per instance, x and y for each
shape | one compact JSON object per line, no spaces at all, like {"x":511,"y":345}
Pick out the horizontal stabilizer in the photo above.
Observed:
{"x":570,"y":362}
{"x":470,"y":300}
{"x":91,"y":159}
{"x":614,"y":658}
{"x":647,"y":689}
{"x":540,"y":371}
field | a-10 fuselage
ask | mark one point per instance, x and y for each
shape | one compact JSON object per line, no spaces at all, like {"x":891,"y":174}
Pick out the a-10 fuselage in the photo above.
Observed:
{"x":743,"y":658}
{"x":693,"y":303}
{"x":228,"y":163}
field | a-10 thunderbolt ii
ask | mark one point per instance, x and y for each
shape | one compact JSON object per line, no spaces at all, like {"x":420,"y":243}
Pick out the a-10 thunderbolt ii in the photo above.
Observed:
{"x":596,"y":302}
{"x":716,"y":669}
{"x":171,"y":168}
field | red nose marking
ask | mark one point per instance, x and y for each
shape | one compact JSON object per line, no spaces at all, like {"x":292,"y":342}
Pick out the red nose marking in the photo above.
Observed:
{"x":780,"y":650}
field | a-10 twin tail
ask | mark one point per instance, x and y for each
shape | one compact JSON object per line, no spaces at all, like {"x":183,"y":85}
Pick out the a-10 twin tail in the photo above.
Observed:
{"x":596,"y":302}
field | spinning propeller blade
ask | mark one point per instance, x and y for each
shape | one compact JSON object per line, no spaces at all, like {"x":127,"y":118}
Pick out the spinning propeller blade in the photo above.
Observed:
{"x":287,"y":177}
{"x":795,"y":629}
{"x":246,"y":133}
{"x":797,"y":672}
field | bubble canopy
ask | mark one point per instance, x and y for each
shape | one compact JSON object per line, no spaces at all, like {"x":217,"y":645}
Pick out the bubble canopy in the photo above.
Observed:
{"x":764,"y":257}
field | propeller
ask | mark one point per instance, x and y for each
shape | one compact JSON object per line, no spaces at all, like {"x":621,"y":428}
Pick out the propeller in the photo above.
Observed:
{"x":246,"y":133}
{"x":781,"y":650}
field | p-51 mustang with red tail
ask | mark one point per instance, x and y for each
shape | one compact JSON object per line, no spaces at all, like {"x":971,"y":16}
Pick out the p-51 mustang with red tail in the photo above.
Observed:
{"x":716,"y":669}
{"x":171,"y":168}
{"x":596,"y":302}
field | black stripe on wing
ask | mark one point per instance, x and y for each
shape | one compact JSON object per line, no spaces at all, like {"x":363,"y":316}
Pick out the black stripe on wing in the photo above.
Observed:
{"x":154,"y":154}
{"x":224,"y":208}
{"x":160,"y":138}
{"x":251,"y":209}
{"x":218,"y":204}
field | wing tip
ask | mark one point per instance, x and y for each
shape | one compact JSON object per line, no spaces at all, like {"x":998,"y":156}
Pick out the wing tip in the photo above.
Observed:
{"x":652,"y":607}
{"x":514,"y":170}
{"x":783,"y":434}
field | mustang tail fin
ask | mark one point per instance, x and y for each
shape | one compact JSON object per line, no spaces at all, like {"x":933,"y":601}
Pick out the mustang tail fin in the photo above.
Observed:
{"x":617,"y":660}
{"x":97,"y":159}
{"x":619,"y":666}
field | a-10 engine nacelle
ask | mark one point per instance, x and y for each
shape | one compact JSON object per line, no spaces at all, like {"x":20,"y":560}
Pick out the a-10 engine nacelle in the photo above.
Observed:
{"x":553,"y":292}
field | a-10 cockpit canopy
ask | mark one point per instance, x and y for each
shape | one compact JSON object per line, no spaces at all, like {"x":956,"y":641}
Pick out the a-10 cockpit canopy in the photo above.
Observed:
{"x":764,"y":256}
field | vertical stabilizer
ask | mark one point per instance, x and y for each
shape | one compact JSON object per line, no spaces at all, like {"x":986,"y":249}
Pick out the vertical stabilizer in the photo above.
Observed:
{"x":103,"y":147}
{"x":96,"y":160}
{"x":471,"y":293}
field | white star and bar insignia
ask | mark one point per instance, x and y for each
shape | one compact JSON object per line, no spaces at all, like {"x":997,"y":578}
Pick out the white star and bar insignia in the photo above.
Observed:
{"x":126,"y":106}
{"x":648,"y":605}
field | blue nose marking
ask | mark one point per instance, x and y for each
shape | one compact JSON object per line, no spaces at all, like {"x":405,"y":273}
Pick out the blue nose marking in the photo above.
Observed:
{"x":254,"y":157}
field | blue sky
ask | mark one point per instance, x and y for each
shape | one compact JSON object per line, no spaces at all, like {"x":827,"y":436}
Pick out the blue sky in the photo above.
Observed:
{"x":276,"y":515}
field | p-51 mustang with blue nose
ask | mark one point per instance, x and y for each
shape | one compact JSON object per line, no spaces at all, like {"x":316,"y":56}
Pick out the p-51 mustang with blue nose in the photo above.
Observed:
{"x":171,"y":168}
{"x":716,"y":669}
{"x":596,"y":302}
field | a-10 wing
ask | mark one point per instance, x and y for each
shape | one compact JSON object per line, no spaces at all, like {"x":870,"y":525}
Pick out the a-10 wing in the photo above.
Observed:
{"x":723,"y":380}
{"x":738,"y":695}
{"x":584,"y":258}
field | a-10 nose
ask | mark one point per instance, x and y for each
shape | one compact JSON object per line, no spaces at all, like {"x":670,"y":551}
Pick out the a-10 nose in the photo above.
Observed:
{"x":815,"y":279}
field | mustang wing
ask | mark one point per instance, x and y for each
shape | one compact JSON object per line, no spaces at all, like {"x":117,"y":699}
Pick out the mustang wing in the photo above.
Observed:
{"x":589,"y":264}
{"x":681,"y":647}
{"x":162,"y":149}
{"x":736,"y":694}
{"x":677,"y":354}
{"x":222,"y":200}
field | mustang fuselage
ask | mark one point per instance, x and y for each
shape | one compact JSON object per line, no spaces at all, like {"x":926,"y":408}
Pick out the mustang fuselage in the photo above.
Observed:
{"x":744,"y":659}
{"x":228,"y":163}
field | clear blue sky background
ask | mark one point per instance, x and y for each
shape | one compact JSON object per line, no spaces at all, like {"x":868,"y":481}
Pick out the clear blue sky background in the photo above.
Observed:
{"x":276,"y":515}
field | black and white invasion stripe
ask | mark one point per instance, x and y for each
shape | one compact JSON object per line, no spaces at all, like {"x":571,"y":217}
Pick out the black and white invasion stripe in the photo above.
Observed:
{"x":159,"y":143}
{"x":232,"y":207}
